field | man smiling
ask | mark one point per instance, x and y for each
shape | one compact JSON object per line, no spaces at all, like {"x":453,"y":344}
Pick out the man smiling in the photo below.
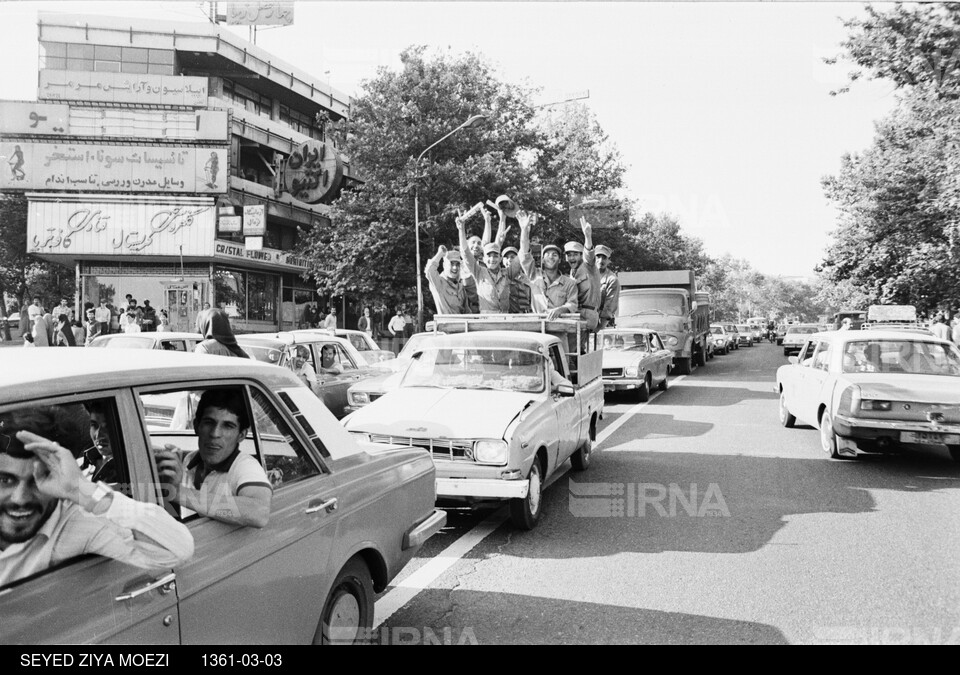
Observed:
{"x":217,"y":480}
{"x":50,"y":513}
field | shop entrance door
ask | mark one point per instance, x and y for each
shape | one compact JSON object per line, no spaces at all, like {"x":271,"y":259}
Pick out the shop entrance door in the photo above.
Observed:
{"x":183,"y":305}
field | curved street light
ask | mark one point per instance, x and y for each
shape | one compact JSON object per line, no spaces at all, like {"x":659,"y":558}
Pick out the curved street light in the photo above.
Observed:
{"x":473,"y":121}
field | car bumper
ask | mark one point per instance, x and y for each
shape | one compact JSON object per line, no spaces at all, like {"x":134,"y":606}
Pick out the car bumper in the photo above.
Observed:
{"x":869,"y":429}
{"x":482,"y":487}
{"x":621,"y":384}
{"x":422,"y":531}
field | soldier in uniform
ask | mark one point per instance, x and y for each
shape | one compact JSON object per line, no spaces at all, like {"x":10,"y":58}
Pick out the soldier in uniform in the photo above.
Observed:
{"x":609,"y":288}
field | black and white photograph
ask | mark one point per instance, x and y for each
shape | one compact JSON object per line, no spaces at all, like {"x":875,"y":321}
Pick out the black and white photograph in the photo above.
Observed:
{"x":476,"y":323}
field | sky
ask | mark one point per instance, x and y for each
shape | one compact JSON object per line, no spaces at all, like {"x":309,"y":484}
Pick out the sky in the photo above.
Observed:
{"x":720,"y":111}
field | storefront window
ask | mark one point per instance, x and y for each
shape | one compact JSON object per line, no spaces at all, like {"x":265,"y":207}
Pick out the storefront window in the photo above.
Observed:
{"x":231,"y":292}
{"x":262,"y":297}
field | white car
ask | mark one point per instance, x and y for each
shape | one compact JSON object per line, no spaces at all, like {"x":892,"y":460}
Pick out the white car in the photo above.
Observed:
{"x":634,"y":358}
{"x":362,"y":342}
{"x":796,"y":335}
{"x":391,"y":372}
{"x":873,"y":390}
{"x":723,"y":341}
{"x":170,"y":341}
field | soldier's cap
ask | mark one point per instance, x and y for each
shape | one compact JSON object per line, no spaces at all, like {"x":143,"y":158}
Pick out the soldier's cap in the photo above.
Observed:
{"x":603,"y":250}
{"x":492,"y":247}
{"x":452,"y":256}
{"x":549,"y":247}
{"x":573,"y":246}
{"x":509,"y":249}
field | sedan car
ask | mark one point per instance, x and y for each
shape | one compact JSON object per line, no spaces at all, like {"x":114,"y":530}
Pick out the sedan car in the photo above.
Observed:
{"x":734,"y":333}
{"x":796,"y":335}
{"x":344,"y":517}
{"x":362,"y":342}
{"x":722,"y":341}
{"x":634,"y":359}
{"x":745,"y":335}
{"x":781,"y":331}
{"x":301,"y":352}
{"x":873,"y":391}
{"x":390,"y":372}
{"x":174,"y":342}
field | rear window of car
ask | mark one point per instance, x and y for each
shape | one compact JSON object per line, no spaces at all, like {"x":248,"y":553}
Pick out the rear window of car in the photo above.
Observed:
{"x":802,"y":330}
{"x":124,"y":342}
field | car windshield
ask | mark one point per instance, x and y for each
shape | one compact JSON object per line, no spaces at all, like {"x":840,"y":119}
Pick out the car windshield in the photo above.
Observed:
{"x":124,"y":342}
{"x":263,"y":353}
{"x":477,"y":368}
{"x":672,"y":304}
{"x":911,"y":357}
{"x":624,"y":341}
{"x":792,"y":330}
{"x":743,"y":329}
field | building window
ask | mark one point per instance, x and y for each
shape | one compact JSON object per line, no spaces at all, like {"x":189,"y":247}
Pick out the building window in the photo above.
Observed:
{"x":246,"y":296}
{"x":248,"y":99}
{"x":262,"y":297}
{"x":230,"y":292}
{"x":106,"y":58}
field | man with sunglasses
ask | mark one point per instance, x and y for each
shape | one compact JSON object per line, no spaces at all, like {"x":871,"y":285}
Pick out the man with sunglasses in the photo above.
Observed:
{"x":50,"y":512}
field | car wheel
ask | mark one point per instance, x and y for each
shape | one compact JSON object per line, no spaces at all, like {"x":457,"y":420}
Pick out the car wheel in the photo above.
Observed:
{"x":828,"y":439}
{"x":786,"y":419}
{"x":348,"y":612}
{"x":525,"y":513}
{"x":663,"y":384}
{"x":643,"y":391}
{"x":580,"y":460}
{"x":954,"y":452}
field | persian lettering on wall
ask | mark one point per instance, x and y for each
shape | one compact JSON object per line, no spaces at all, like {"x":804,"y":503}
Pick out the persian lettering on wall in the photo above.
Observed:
{"x":312,"y":172}
{"x":76,"y":85}
{"x":113,"y":168}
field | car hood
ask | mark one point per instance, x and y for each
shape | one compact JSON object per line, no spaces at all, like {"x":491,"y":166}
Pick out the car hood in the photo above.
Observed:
{"x":616,"y":359}
{"x":920,"y":388}
{"x":432,"y":413}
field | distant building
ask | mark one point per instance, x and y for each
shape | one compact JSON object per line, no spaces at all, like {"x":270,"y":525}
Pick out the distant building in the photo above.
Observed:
{"x":174,"y":162}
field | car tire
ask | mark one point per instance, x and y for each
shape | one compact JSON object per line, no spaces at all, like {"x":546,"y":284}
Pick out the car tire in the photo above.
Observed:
{"x":580,"y":460}
{"x":643,"y":391}
{"x":954,"y":452}
{"x":828,"y":438}
{"x":663,"y":384}
{"x":786,"y":419}
{"x":525,"y":512}
{"x":348,"y":612}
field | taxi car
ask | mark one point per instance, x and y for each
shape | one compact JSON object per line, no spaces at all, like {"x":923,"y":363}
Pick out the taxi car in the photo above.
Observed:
{"x":362,"y":342}
{"x":873,"y":391}
{"x":634,"y":359}
{"x":796,"y":335}
{"x":344,"y":518}
{"x":170,"y":341}
{"x":300,"y":351}
{"x":391,"y":371}
{"x":722,"y":341}
{"x":744,"y":334}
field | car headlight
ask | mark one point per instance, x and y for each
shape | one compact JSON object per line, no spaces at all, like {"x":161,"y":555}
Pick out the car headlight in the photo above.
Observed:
{"x":359,"y":398}
{"x":632,"y":371}
{"x":490,"y":452}
{"x":360,"y":436}
{"x":672,"y":340}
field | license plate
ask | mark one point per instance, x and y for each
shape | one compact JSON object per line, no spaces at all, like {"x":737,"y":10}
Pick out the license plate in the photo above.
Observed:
{"x":929,"y":437}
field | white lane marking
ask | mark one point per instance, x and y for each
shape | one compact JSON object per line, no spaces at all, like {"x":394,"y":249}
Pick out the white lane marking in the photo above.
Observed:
{"x":409,"y":588}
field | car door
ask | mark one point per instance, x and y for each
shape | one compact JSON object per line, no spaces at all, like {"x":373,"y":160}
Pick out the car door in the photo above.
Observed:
{"x":815,"y":380}
{"x":567,"y":410}
{"x":333,"y":388}
{"x":247,"y":585}
{"x":91,"y":598}
{"x":807,"y":385}
{"x":662,"y":355}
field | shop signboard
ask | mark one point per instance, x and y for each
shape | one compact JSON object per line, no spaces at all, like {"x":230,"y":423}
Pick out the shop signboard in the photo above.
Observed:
{"x":312,"y":172}
{"x":254,"y":220}
{"x":105,"y":87}
{"x":119,"y":225}
{"x":27,"y":117}
{"x":230,"y":224}
{"x":112,"y":168}
{"x":259,"y":13}
{"x":231,"y":250}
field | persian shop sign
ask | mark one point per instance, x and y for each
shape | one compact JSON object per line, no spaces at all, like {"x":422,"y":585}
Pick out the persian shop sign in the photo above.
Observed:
{"x":312,"y":172}
{"x":138,"y":227}
{"x":259,"y":13}
{"x":76,"y":85}
{"x":59,"y":166}
{"x":21,"y":117}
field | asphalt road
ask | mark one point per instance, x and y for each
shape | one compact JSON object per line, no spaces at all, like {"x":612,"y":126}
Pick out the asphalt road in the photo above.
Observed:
{"x":702,"y":520}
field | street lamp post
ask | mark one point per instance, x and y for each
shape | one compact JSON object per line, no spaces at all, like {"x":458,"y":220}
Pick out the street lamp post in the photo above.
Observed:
{"x":472,"y":122}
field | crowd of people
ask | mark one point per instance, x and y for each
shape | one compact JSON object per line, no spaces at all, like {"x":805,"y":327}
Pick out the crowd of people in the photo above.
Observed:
{"x":60,"y":327}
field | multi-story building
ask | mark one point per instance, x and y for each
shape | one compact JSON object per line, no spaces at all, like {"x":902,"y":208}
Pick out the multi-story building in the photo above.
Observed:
{"x":174,"y":162}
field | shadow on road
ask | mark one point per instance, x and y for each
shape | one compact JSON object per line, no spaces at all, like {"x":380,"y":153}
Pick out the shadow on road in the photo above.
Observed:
{"x":436,"y":617}
{"x":654,"y":502}
{"x":714,"y":396}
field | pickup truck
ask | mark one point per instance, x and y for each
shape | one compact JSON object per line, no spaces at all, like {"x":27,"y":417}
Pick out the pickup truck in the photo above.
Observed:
{"x":501,"y":402}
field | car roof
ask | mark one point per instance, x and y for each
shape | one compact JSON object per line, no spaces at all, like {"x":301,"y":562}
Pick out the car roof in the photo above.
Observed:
{"x":616,"y":329}
{"x":35,"y":372}
{"x":502,"y":339}
{"x":297,"y":337}
{"x":879,"y":335}
{"x":157,"y":335}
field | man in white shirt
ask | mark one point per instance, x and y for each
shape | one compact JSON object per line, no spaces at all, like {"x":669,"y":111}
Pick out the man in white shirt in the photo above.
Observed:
{"x":50,"y":512}
{"x":331,"y":320}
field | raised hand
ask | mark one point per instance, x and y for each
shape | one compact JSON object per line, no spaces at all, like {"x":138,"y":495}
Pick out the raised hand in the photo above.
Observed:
{"x":585,"y":227}
{"x":170,"y":468}
{"x":55,"y":470}
{"x":442,"y":250}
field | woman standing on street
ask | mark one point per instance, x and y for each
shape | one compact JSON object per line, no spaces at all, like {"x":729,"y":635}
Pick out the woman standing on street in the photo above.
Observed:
{"x":218,"y":336}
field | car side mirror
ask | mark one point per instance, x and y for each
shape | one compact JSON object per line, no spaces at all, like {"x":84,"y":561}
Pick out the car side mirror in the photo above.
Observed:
{"x":565,"y":390}
{"x":793,"y":359}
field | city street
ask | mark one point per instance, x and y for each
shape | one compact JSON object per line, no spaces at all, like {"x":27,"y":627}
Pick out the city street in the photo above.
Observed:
{"x":766,"y":540}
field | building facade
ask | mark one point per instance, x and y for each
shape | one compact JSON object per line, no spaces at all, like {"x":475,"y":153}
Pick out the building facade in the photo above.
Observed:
{"x":175,"y":162}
